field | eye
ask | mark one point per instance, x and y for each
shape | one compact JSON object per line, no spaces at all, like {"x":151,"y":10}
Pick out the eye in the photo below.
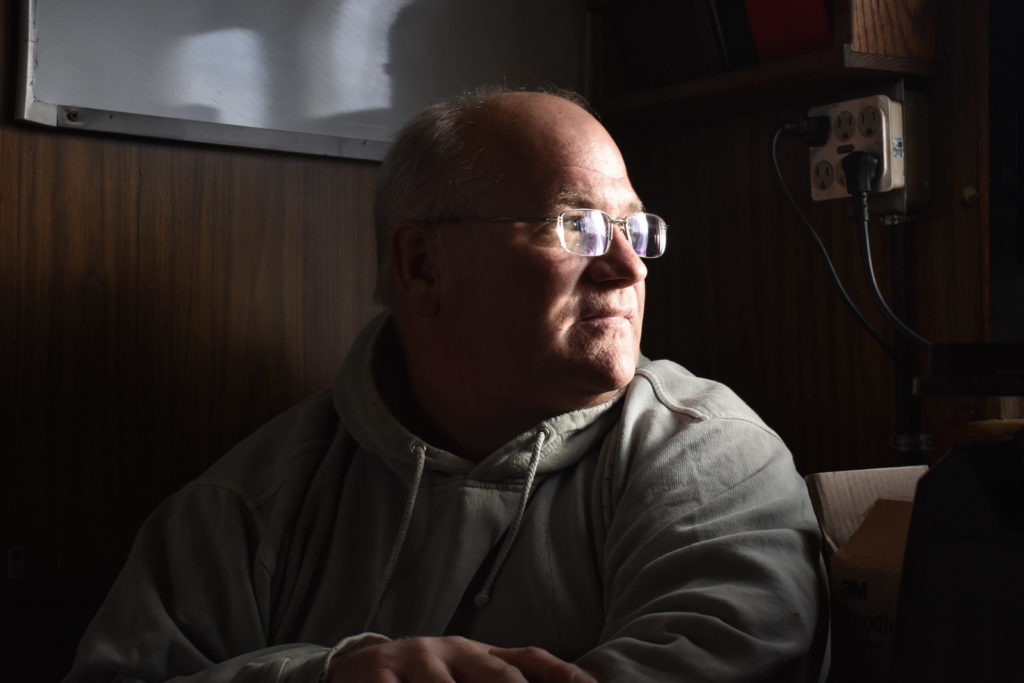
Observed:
{"x":542,"y":234}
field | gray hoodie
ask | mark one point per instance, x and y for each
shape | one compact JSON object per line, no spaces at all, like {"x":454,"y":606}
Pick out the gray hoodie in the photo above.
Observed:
{"x":662,"y":536}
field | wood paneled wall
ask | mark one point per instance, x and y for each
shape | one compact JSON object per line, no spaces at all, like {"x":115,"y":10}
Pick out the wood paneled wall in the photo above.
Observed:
{"x":743,"y":296}
{"x":159,"y":301}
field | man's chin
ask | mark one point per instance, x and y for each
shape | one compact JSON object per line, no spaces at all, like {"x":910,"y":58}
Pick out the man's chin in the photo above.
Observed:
{"x":602,"y":378}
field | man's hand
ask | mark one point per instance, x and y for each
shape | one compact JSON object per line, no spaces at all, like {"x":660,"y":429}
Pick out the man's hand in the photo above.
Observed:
{"x":451,"y":660}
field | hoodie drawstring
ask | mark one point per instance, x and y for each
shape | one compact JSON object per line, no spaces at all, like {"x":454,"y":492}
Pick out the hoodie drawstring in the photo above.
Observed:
{"x":403,"y":528}
{"x":483,"y":598}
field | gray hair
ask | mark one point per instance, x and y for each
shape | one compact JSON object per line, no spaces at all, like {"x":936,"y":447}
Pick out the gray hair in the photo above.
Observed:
{"x":428,"y":174}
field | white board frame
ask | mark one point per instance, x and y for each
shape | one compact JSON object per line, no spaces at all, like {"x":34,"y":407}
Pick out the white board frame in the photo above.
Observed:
{"x":352,"y":140}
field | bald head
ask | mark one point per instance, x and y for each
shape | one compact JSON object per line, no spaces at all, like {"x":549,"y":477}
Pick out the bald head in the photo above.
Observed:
{"x":456,"y":153}
{"x":529,"y":137}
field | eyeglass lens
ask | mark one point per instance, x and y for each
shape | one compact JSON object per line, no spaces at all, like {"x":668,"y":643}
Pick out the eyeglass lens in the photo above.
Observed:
{"x":588,"y":232}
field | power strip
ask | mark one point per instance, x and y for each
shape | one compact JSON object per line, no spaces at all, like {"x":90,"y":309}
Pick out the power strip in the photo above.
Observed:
{"x":871,"y":124}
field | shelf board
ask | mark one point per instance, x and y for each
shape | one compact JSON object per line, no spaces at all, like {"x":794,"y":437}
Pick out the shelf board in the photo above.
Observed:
{"x":970,"y":385}
{"x":839,"y":65}
{"x":973,"y":370}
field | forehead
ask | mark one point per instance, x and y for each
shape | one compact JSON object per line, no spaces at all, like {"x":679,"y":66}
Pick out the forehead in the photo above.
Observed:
{"x":545,"y":152}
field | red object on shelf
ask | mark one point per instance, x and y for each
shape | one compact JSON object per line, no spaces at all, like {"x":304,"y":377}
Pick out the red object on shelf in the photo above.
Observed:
{"x":784,"y":28}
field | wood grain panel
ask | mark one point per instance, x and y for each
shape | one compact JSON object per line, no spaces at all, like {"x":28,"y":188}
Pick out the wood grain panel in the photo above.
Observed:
{"x":745,"y":295}
{"x":953,"y":271}
{"x":742,"y":296}
{"x":952,"y":251}
{"x":170,"y":300}
{"x":159,"y":302}
{"x":900,"y":28}
{"x":75,"y":360}
{"x":10,"y":273}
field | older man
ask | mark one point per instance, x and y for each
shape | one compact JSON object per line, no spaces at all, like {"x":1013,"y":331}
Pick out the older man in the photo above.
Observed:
{"x":499,"y":487}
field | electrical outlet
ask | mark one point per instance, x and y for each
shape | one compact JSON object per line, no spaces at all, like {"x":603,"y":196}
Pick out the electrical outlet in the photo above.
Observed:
{"x":845,"y":125}
{"x":869,"y":121}
{"x":871,"y":124}
{"x":823,"y":175}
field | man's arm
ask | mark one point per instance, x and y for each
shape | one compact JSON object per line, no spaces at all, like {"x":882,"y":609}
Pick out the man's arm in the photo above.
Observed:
{"x":192,"y":603}
{"x":712,"y":561}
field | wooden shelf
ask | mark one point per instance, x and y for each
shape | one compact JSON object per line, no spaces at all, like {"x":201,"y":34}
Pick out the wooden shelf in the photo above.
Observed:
{"x":836,"y":68}
{"x":973,"y":370}
{"x":970,"y":385}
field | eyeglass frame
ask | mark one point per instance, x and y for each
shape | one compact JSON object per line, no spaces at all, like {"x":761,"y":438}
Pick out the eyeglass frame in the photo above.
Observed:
{"x":620,"y":223}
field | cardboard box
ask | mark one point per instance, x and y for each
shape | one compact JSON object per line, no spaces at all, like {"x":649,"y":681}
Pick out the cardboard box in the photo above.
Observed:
{"x":865,"y":517}
{"x":841,"y":500}
{"x":865,"y":583}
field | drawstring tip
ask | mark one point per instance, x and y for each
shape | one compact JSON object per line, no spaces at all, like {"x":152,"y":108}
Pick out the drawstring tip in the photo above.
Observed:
{"x":482,"y":600}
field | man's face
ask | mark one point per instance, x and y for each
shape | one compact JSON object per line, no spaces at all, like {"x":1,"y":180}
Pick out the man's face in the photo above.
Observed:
{"x":532,"y":324}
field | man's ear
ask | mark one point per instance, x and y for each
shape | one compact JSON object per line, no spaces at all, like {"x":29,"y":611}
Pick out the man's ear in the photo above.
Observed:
{"x":414,"y":259}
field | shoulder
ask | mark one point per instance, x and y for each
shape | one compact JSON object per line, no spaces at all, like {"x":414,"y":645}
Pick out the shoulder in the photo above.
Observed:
{"x":695,"y":432}
{"x":665,"y":387}
{"x":292,"y":442}
{"x":244,"y":506}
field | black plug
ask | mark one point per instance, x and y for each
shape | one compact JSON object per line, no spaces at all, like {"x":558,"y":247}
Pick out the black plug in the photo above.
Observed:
{"x":861,"y":170}
{"x":813,"y":129}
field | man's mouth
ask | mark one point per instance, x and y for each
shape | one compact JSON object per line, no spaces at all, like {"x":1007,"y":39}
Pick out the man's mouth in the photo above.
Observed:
{"x":603,"y":313}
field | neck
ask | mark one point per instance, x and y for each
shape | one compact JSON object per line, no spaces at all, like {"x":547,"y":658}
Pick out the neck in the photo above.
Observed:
{"x":464,"y":423}
{"x":443,"y":408}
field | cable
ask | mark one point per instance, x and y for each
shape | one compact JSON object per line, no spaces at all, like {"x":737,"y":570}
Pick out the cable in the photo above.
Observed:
{"x":861,"y":171}
{"x":894,"y":320}
{"x":824,"y":252}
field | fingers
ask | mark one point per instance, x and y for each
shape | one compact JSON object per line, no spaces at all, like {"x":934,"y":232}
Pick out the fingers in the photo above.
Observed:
{"x":428,"y":660}
{"x":452,"y":660}
{"x":455,"y":660}
{"x":540,"y":666}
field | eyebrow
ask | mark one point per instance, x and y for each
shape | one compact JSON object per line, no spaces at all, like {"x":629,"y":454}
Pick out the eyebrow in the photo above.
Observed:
{"x":580,"y":200}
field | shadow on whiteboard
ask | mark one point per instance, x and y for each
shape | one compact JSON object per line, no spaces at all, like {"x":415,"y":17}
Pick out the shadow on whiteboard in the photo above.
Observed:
{"x":329,"y":77}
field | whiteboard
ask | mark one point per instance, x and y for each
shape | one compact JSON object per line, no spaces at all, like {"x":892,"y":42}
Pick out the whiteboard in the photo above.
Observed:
{"x":329,"y":77}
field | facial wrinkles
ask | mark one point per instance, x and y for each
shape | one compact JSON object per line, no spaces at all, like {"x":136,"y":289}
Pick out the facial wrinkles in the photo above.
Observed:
{"x":604,"y":159}
{"x":571,"y":140}
{"x":581,"y":199}
{"x":599,"y":164}
{"x":592,"y":171}
{"x":556,"y":149}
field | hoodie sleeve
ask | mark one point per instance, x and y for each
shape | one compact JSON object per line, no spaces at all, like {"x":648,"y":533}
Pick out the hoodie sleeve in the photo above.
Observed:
{"x":712,"y":556}
{"x":191,"y":597}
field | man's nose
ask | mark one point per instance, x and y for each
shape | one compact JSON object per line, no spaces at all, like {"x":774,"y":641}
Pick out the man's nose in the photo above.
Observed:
{"x":620,"y":262}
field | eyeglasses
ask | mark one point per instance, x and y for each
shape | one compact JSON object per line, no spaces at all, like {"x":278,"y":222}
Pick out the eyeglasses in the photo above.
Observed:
{"x":589,"y":232}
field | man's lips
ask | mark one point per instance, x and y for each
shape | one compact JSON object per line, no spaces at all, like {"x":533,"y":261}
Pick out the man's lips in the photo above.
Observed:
{"x":626,"y":313}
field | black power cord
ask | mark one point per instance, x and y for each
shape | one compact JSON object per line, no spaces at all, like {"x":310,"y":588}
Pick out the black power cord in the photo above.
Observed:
{"x":861,"y":171}
{"x":815,"y":129}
